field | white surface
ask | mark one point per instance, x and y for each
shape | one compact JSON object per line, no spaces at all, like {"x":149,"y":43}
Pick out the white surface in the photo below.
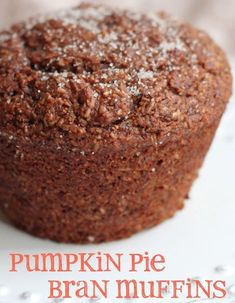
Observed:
{"x":196,"y":241}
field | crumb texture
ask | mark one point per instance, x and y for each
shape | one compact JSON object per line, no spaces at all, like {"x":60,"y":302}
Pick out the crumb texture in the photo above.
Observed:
{"x":91,"y":67}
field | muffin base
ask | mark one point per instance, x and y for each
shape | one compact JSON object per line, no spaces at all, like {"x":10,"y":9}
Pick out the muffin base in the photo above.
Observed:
{"x":67,"y":196}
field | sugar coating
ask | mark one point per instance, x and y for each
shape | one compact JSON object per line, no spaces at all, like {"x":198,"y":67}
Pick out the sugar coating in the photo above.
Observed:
{"x":93,"y":66}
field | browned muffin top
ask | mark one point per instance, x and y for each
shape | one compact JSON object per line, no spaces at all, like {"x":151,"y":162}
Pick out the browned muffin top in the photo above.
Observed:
{"x":92,"y":67}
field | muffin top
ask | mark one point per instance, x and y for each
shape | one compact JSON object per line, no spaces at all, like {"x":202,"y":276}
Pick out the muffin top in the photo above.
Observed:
{"x":96,"y":69}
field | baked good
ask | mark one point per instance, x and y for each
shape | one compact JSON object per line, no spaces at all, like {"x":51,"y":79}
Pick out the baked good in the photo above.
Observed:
{"x":105,"y":119}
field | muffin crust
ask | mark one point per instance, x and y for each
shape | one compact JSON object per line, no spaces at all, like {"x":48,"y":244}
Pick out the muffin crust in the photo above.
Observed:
{"x":105,"y":119}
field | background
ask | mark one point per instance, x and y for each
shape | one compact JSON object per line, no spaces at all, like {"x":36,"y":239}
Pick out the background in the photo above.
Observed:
{"x":216,"y":16}
{"x":198,"y":241}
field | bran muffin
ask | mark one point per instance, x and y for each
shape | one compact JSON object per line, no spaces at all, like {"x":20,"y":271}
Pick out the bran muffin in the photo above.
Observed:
{"x":105,"y":119}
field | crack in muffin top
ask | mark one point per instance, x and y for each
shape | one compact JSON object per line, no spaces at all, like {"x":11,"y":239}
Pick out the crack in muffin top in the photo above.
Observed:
{"x":95,"y":67}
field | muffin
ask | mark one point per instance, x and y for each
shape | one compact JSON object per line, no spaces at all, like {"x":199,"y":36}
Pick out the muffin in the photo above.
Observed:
{"x":105,"y":119}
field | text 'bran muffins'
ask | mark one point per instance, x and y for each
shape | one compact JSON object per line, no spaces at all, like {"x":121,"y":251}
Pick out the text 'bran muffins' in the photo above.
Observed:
{"x":105,"y":118}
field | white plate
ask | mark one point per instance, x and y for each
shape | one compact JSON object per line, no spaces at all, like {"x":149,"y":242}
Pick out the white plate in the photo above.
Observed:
{"x":196,"y":241}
